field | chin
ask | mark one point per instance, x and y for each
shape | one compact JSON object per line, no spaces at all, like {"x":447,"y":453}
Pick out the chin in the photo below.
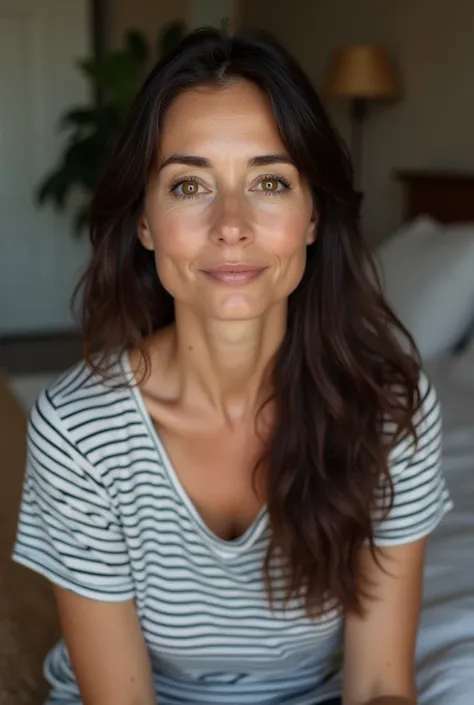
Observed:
{"x":238,"y":313}
{"x":235,"y":306}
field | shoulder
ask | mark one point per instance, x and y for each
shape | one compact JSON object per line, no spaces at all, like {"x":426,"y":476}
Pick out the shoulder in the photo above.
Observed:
{"x":419,"y":497}
{"x":427,"y":423}
{"x":429,"y":404}
{"x":80,"y":402}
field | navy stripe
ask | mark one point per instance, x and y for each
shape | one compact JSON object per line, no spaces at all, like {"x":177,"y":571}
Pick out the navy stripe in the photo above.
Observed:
{"x":102,"y":515}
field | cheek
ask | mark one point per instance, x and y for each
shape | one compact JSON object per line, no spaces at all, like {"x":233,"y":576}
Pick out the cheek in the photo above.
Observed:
{"x":286,"y":239}
{"x":176,"y":245}
{"x":284,"y":233}
{"x":177,"y":236}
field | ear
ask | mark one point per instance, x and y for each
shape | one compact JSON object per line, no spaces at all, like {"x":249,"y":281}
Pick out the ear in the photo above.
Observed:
{"x":144,"y":234}
{"x":312,"y":229}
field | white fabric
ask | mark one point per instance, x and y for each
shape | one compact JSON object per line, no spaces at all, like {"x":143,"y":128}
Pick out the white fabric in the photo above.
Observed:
{"x":105,"y":515}
{"x":445,"y":653}
{"x":463,"y":367}
{"x":428,"y":276}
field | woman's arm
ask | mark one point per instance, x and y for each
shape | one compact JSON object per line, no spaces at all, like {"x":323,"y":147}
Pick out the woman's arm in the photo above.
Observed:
{"x":380,"y":646}
{"x":107,"y":650}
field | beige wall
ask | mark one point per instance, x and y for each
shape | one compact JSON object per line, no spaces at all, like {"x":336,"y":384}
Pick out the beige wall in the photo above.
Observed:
{"x":146,"y":15}
{"x":432,"y":42}
{"x":150,"y":15}
{"x":212,"y":12}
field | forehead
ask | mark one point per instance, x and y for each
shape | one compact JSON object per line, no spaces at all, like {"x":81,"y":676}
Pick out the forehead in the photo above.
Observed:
{"x":237,"y":115}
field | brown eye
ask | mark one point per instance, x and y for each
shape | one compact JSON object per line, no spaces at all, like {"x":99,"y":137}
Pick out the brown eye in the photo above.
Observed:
{"x":189,"y":188}
{"x":270,"y":185}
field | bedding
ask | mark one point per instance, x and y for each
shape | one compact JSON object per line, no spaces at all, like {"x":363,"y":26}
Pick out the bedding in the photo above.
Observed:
{"x":445,"y":651}
{"x":463,"y":366}
{"x":427,"y":271}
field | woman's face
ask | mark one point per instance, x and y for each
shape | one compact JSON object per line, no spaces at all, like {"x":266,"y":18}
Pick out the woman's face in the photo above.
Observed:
{"x":226,"y":212}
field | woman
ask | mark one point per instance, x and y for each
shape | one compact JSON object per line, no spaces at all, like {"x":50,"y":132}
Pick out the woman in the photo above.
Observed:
{"x":238,"y":481}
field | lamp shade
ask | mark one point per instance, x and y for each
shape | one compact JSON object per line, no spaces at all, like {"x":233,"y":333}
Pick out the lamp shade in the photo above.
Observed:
{"x":361,"y":71}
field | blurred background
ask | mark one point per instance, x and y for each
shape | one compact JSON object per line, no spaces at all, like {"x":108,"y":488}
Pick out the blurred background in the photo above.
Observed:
{"x":397,"y":79}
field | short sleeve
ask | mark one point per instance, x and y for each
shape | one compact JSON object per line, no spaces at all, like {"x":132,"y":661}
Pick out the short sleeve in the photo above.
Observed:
{"x":68,"y":530}
{"x":420,"y":496}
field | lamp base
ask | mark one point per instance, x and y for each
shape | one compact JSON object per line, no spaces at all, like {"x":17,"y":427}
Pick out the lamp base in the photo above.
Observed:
{"x":358,"y":113}
{"x":359,"y":109}
{"x":359,"y":201}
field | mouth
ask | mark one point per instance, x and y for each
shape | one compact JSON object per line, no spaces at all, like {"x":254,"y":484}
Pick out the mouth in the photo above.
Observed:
{"x":234,"y":273}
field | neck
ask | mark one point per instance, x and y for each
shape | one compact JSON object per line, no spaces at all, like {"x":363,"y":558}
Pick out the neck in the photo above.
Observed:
{"x":224,"y":363}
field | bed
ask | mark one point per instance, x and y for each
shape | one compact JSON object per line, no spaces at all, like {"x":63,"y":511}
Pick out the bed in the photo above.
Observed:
{"x":446,"y":196}
{"x":445,"y":651}
{"x":445,"y":654}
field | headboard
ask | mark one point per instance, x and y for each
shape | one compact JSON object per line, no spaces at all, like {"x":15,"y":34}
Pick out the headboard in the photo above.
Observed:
{"x":446,"y":196}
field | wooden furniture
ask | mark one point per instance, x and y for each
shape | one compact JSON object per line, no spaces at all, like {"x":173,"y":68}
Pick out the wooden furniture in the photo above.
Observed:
{"x":28,"y":621}
{"x":446,"y":196}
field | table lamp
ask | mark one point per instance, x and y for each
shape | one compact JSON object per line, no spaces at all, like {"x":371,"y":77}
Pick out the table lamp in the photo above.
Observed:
{"x":361,"y":73}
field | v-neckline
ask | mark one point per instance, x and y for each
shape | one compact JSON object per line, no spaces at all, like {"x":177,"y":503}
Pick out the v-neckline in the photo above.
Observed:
{"x":226,"y":547}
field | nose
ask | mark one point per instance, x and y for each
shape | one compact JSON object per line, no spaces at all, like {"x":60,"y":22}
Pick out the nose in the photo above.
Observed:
{"x":231,"y":224}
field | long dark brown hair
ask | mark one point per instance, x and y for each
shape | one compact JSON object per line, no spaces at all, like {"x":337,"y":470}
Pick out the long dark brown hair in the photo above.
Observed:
{"x":339,"y":371}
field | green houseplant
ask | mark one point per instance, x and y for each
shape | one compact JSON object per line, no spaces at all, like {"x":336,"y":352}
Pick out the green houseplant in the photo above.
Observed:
{"x":92,"y":129}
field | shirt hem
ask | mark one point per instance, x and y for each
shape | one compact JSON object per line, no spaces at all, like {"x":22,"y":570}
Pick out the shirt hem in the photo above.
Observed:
{"x":421,"y":533}
{"x":60,"y":581}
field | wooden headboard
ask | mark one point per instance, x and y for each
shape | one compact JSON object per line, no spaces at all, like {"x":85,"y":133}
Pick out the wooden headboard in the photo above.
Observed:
{"x":447,"y":197}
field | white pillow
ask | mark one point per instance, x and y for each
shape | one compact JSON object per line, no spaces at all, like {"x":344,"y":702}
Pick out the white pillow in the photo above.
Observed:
{"x":462,"y":370}
{"x":427,"y":272}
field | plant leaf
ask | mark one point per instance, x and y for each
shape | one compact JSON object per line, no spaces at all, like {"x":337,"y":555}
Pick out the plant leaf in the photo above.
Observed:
{"x":170,"y":37}
{"x":137,"y":46}
{"x":78,"y":117}
{"x":92,"y":129}
{"x":89,"y":67}
{"x":81,"y":220}
{"x":118,"y":75}
{"x":55,"y":188}
{"x":84,"y":159}
{"x":120,"y":78}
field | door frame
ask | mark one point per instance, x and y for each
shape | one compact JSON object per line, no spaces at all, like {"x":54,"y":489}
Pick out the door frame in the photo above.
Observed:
{"x":98,"y":34}
{"x":98,"y":26}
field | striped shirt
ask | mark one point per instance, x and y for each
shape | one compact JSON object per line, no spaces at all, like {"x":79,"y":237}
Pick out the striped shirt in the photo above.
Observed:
{"x":104,"y":514}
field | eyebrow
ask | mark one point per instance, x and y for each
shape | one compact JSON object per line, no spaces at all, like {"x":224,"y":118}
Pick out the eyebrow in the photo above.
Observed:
{"x":203,"y":163}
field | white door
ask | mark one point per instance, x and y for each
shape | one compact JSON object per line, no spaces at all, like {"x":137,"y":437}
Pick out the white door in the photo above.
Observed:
{"x":40,"y":40}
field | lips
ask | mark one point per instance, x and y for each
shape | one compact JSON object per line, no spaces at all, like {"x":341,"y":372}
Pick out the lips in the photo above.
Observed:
{"x":239,"y":273}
